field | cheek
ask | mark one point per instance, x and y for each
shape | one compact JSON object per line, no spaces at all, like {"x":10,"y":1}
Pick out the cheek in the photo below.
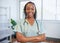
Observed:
{"x":32,"y":11}
{"x":27,"y":11}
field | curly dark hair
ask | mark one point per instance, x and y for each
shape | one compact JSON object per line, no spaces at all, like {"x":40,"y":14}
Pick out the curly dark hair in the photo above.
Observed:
{"x":25,"y":9}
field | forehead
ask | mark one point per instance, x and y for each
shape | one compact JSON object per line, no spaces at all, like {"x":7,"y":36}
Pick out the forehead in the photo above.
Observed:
{"x":30,"y":5}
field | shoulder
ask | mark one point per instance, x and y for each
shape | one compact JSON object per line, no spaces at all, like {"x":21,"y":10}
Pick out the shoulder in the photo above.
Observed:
{"x":20,"y":22}
{"x":39,"y":21}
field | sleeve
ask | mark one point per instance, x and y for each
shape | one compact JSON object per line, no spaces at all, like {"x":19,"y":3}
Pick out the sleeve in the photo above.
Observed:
{"x":41,"y":29}
{"x":18,"y":28}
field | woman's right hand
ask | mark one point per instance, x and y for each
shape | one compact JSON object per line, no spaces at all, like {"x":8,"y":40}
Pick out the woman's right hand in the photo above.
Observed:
{"x":41,"y":37}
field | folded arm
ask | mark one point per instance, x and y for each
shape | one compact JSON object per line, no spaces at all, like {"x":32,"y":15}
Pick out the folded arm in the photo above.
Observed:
{"x":22,"y":38}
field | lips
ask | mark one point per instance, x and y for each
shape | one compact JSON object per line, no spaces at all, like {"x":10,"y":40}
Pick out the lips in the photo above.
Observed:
{"x":30,"y":13}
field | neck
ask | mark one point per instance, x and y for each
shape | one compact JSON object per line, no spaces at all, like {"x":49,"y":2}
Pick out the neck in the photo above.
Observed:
{"x":31,"y":18}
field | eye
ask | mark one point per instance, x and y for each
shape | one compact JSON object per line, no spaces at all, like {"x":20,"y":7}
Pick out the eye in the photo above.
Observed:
{"x":32,"y":9}
{"x":27,"y":8}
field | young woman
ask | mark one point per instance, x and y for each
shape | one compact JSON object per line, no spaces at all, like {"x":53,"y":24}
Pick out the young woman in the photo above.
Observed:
{"x":29,"y":29}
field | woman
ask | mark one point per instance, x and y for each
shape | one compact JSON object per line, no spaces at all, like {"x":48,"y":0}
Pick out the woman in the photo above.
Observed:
{"x":28,"y":30}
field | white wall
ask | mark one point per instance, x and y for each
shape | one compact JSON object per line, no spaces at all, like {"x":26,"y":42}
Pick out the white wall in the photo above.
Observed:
{"x":13,"y":6}
{"x":52,"y":28}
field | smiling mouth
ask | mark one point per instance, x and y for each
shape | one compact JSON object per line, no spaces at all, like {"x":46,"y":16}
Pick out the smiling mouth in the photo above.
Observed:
{"x":30,"y":13}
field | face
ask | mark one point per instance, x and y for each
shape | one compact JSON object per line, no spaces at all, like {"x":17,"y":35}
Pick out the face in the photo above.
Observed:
{"x":30,"y":10}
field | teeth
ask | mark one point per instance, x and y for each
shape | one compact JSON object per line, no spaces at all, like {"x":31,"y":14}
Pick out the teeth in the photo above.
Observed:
{"x":30,"y":13}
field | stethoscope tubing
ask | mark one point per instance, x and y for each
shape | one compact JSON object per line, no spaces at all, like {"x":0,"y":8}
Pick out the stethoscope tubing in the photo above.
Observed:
{"x":37,"y":26}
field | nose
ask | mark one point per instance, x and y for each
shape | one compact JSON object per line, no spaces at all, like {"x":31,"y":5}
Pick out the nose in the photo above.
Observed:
{"x":30,"y":10}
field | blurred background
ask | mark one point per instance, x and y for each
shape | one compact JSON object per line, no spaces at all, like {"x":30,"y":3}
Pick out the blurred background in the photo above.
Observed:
{"x":48,"y":12}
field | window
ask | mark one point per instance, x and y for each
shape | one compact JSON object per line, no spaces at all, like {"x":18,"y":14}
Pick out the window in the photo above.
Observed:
{"x":58,"y":10}
{"x":49,"y":9}
{"x":46,"y":9}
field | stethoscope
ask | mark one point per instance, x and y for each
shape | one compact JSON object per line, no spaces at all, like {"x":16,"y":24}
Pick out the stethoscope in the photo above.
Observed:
{"x":36,"y":23}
